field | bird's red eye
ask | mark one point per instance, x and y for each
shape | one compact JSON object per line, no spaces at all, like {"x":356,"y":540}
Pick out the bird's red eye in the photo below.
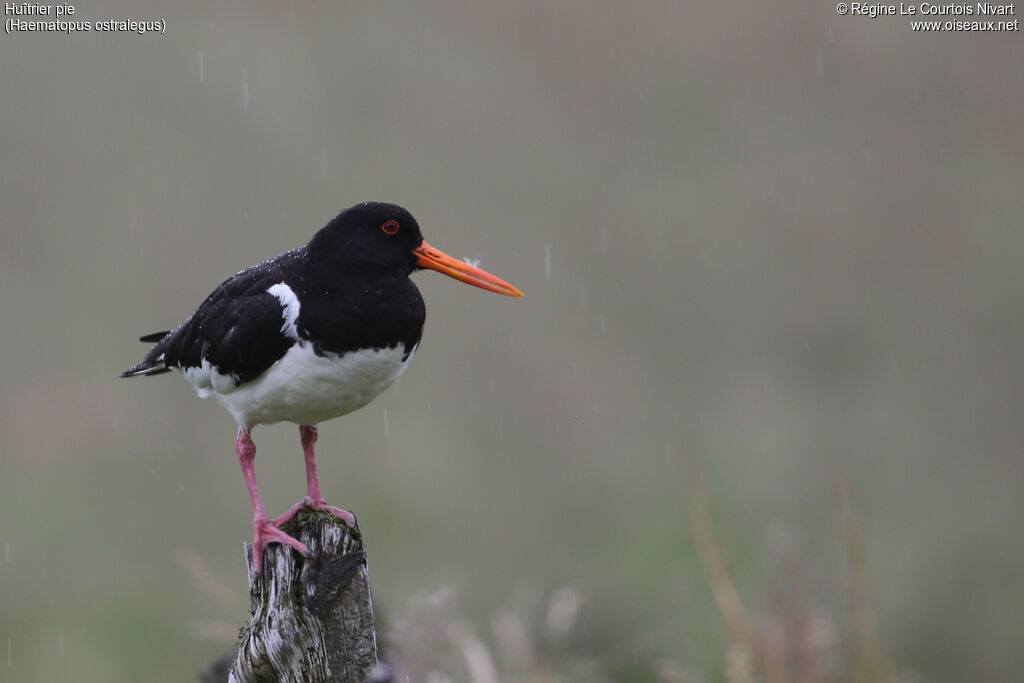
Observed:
{"x":389,"y":227}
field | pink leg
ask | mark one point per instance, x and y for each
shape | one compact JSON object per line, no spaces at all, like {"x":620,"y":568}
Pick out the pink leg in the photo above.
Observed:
{"x":264,"y":531}
{"x":314,"y":499}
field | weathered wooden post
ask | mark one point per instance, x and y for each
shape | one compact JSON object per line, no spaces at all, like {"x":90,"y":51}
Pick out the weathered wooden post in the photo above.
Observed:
{"x":312,"y":617}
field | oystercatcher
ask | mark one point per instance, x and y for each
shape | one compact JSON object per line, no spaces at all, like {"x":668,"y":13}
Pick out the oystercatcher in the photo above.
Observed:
{"x":309,"y":335}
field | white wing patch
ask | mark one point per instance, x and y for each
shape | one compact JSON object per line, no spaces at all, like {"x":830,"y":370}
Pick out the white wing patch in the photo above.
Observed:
{"x":291,"y":305}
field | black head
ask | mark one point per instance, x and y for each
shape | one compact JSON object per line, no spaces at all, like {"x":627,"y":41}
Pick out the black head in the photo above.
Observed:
{"x":385,"y":237}
{"x":372,"y":234}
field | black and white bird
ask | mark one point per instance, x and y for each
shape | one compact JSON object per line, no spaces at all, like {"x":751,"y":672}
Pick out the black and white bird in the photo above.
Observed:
{"x":309,"y":335}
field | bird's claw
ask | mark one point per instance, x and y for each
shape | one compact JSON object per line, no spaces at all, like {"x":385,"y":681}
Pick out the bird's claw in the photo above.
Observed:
{"x":308,"y":503}
{"x":265,"y":531}
{"x":344,"y":515}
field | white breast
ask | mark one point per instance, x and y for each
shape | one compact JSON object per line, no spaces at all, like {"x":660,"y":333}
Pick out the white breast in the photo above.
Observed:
{"x":305,"y":388}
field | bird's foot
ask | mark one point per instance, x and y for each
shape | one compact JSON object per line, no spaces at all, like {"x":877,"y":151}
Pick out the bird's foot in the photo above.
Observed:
{"x":265,"y":531}
{"x":308,"y":503}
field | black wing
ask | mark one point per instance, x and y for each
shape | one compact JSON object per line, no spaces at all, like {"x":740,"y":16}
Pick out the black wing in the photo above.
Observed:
{"x":154,"y":337}
{"x":237,"y":329}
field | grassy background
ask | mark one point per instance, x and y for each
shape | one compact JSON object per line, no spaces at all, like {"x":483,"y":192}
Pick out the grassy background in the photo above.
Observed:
{"x":772,"y":245}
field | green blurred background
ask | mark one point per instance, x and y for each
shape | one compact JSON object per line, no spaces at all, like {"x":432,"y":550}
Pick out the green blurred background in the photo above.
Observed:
{"x":769,"y":244}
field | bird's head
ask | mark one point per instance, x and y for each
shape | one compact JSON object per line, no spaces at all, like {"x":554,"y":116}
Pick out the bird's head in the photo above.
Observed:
{"x":386,"y":236}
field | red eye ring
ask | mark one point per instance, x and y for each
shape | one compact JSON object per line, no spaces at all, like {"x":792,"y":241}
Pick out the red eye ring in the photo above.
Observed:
{"x":389,"y":227}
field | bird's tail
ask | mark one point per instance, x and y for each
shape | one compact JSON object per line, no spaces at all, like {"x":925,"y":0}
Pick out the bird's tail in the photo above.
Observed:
{"x":153,"y":363}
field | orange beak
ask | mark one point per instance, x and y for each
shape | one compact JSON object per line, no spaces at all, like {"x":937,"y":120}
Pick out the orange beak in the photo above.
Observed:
{"x":471,"y":275}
